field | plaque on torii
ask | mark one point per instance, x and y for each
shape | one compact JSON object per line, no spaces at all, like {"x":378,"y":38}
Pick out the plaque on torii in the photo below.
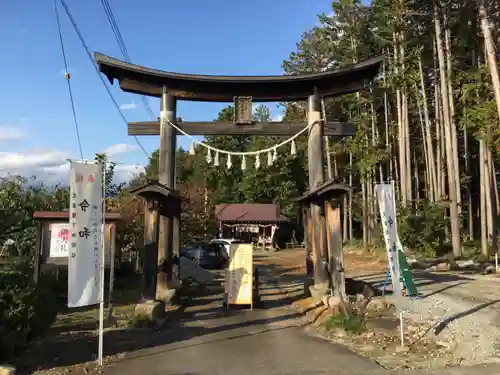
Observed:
{"x":243,"y":110}
{"x":242,"y":91}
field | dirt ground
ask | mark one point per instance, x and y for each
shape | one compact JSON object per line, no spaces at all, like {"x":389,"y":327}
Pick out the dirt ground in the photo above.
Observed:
{"x":292,"y":262}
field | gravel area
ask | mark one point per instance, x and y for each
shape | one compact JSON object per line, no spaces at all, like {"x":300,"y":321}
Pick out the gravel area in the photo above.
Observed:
{"x":460,"y":311}
{"x":461,"y":314}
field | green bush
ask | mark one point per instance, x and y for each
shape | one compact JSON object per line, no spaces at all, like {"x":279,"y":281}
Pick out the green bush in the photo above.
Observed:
{"x":353,"y":324}
{"x":424,"y":229}
{"x":26,"y":309}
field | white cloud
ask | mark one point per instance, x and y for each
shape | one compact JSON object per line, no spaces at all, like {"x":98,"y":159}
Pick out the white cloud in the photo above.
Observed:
{"x":52,"y":166}
{"x":11,"y":133}
{"x":125,"y":107}
{"x":47,"y":165}
{"x":120,"y":148}
{"x":126,"y":172}
{"x":31,"y":159}
{"x":278,"y":118}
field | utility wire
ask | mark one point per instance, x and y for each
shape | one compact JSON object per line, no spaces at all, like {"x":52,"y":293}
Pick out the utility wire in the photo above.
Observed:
{"x":96,"y":68}
{"x":123,"y":47}
{"x":114,"y":27}
{"x":68,"y":79}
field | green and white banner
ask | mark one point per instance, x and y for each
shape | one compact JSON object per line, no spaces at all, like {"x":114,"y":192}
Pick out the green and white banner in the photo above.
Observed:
{"x":387,"y":205}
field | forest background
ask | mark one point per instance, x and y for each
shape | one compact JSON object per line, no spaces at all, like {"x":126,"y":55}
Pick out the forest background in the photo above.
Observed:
{"x":429,"y":122}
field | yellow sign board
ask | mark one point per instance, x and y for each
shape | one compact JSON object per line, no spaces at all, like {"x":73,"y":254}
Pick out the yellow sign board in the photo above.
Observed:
{"x":239,"y":275}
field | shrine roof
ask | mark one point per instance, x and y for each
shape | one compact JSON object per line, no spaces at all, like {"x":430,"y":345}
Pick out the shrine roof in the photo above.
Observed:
{"x":248,"y":212}
{"x":195,"y":87}
{"x":330,"y":189}
{"x":154,"y":188}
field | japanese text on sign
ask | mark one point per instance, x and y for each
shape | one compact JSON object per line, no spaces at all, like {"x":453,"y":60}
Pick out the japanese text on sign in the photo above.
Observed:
{"x":86,"y":221}
{"x":385,"y":194}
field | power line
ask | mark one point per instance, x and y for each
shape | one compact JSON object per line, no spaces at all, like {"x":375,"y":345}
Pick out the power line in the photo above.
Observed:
{"x":122,"y":46}
{"x":115,"y":29}
{"x":68,"y":79}
{"x":96,"y":68}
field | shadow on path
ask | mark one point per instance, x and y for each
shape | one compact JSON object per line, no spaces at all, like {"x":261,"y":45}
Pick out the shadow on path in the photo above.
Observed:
{"x":443,"y":324}
{"x":203,"y":319}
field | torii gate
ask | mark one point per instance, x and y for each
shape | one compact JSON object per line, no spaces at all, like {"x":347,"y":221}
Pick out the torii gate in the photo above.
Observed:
{"x":242,"y":90}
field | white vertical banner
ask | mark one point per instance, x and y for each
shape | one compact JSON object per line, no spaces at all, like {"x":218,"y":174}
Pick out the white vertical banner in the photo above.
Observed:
{"x":86,"y":218}
{"x":387,"y":205}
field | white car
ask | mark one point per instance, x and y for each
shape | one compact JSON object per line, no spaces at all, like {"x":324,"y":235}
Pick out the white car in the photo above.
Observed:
{"x":226,"y":244}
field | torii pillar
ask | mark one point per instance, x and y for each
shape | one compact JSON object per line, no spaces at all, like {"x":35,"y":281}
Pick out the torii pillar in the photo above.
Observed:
{"x":316,"y":221}
{"x":168,"y":226}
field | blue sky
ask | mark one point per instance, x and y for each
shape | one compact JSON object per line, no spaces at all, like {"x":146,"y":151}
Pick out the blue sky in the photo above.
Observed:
{"x":190,"y":36}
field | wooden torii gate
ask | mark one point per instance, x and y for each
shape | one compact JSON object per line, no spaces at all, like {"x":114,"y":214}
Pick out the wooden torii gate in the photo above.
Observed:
{"x":243,"y":90}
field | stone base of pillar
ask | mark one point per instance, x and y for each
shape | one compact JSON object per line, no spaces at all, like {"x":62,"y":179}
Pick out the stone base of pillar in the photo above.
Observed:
{"x":7,"y":370}
{"x":150,"y":310}
{"x":168,"y":292}
{"x":318,"y":292}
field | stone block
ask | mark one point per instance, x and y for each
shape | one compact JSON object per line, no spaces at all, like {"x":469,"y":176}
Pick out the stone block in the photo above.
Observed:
{"x":318,"y":292}
{"x":7,"y":370}
{"x":151,"y":310}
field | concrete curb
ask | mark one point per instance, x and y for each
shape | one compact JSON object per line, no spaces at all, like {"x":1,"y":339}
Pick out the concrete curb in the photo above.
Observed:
{"x":482,"y":369}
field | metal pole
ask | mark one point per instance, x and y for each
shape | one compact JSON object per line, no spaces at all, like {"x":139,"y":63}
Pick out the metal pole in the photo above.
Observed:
{"x":401,"y":327}
{"x":103,"y":259}
{"x":401,"y":332}
{"x":112,"y":238}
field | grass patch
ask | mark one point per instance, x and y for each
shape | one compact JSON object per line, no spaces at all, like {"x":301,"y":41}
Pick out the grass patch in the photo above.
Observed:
{"x":353,"y":324}
{"x":140,"y":322}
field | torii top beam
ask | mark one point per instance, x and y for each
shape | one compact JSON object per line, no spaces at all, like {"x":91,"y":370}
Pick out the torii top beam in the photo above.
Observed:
{"x":209,"y":88}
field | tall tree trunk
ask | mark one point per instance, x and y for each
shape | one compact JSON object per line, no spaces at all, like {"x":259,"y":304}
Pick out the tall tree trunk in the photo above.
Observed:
{"x":470,"y":213}
{"x":364,"y":214}
{"x":483,"y":193}
{"x":428,"y":137}
{"x":406,"y":132}
{"x":490,"y":53}
{"x":439,"y":147}
{"x":490,"y":200}
{"x":454,"y":144}
{"x":492,"y":66}
{"x":388,"y":145}
{"x":403,"y":170}
{"x":452,"y":184}
{"x":427,"y":179}
{"x":406,"y":125}
{"x":350,"y":198}
{"x":417,"y":179}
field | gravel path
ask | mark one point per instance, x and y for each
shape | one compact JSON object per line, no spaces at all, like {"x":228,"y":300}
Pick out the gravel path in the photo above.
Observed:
{"x":460,"y":311}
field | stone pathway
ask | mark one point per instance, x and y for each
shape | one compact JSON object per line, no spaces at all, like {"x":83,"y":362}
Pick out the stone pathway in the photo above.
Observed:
{"x":267,"y":340}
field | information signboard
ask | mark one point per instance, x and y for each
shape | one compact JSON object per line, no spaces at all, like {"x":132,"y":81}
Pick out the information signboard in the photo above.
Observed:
{"x":239,"y":276}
